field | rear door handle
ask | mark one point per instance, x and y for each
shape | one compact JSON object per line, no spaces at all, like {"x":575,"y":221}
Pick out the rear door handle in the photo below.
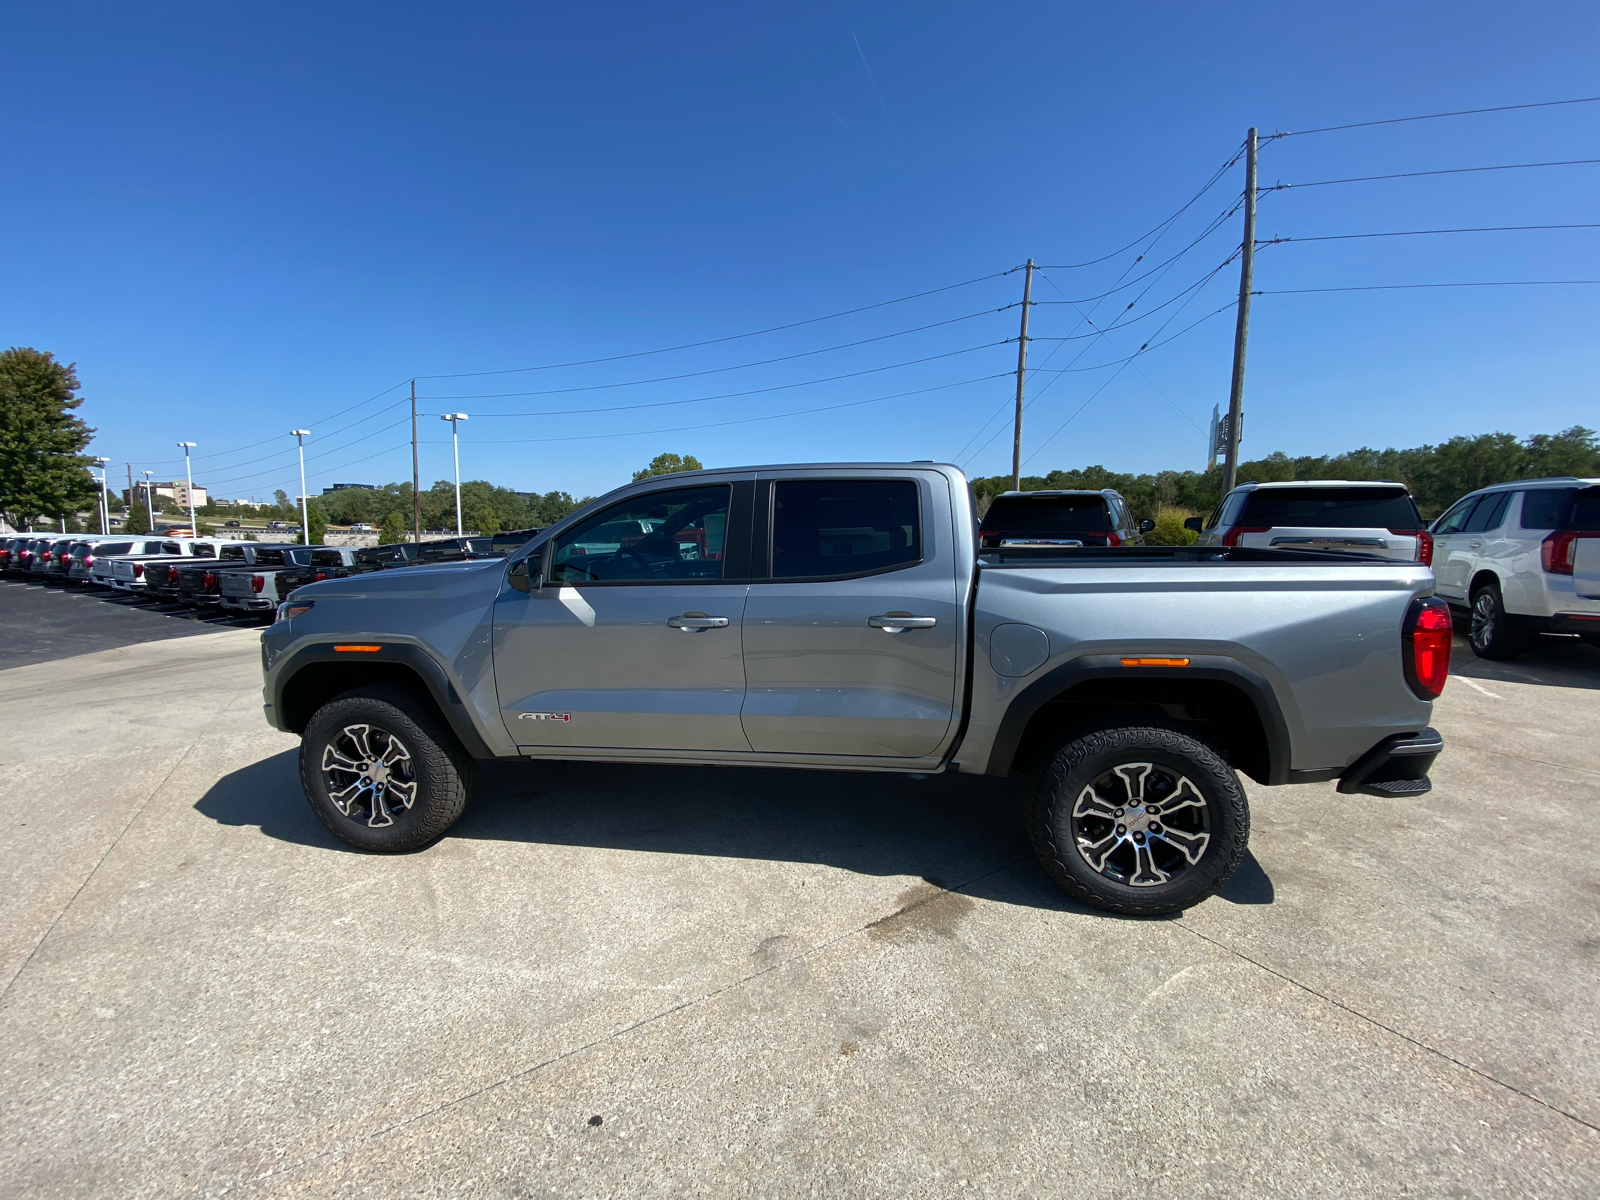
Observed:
{"x":695,"y":622}
{"x":899,"y":622}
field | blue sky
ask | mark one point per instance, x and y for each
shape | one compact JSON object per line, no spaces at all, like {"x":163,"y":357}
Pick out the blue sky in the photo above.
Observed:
{"x":241,"y":220}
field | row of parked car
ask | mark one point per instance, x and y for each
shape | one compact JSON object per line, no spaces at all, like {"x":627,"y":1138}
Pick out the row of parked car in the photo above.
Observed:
{"x":1514,"y":561}
{"x":242,"y":576}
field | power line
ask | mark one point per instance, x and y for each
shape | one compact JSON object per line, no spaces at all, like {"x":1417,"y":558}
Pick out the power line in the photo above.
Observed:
{"x":849,"y":312}
{"x":752,"y":392}
{"x":1570,"y":162}
{"x":1156,"y":270}
{"x":587,"y":437}
{"x":1388,"y":287}
{"x":600,"y":387}
{"x":1210,"y":183}
{"x":1465,"y":112}
{"x":1344,"y":237}
{"x":235,"y":479}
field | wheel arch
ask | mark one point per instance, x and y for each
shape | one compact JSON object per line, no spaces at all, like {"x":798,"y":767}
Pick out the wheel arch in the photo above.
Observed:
{"x":317,"y":674}
{"x":1217,"y":699}
{"x":1482,"y":576}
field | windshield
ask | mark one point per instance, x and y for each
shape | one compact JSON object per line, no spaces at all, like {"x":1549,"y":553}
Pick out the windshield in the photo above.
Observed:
{"x":1331,"y":508}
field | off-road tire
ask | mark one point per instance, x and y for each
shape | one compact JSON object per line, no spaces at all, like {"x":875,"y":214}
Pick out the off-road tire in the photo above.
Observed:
{"x":1064,"y":776}
{"x":442,"y":769}
{"x":1491,"y":631}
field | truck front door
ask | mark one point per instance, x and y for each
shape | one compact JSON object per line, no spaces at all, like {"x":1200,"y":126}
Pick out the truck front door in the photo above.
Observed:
{"x":851,"y":629}
{"x":633,"y":641}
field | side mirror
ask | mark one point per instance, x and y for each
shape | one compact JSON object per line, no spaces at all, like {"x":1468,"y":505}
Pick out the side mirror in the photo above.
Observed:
{"x":1194,"y":523}
{"x":519,"y":578}
{"x":1146,"y":525}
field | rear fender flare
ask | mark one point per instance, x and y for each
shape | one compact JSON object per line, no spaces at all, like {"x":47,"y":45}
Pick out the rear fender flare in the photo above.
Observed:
{"x":1061,"y":679}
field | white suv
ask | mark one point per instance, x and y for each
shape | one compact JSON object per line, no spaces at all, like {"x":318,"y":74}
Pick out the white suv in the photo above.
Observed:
{"x":1377,"y":518}
{"x":1524,"y":559}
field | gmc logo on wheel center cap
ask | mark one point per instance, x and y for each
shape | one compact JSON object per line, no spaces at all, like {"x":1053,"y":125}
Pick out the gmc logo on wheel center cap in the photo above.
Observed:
{"x":544,"y":717}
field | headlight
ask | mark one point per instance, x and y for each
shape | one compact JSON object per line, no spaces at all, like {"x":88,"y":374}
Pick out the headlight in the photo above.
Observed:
{"x":290,"y":609}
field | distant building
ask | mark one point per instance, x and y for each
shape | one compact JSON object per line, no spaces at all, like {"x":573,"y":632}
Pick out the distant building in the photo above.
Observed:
{"x":342,"y":487}
{"x":177,"y":492}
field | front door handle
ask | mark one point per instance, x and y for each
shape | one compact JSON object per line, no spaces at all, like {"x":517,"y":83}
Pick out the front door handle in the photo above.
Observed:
{"x":900,"y":622}
{"x":1474,"y":545}
{"x":696,"y":622}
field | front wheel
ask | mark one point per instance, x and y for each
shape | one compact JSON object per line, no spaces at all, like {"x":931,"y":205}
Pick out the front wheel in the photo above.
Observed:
{"x":1143,"y":821}
{"x":382,"y":771}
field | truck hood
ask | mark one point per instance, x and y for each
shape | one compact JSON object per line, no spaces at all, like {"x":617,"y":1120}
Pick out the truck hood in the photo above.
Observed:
{"x":480,"y":578}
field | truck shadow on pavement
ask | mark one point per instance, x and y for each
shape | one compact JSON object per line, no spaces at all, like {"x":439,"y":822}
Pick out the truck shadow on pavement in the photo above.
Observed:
{"x":959,"y":832}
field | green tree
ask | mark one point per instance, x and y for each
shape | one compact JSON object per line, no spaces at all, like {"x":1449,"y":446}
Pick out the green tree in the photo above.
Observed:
{"x":394,"y":529}
{"x":43,"y":469}
{"x":317,"y":523}
{"x":138,"y":520}
{"x":668,"y":464}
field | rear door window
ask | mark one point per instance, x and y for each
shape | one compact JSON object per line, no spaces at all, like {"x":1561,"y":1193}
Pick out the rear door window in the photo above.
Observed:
{"x":1546,"y":508}
{"x":1490,"y":512}
{"x":833,"y":528}
{"x":1331,"y":508}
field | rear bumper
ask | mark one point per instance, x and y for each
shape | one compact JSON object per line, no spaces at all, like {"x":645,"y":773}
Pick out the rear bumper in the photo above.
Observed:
{"x":250,"y":603}
{"x":1396,"y":767}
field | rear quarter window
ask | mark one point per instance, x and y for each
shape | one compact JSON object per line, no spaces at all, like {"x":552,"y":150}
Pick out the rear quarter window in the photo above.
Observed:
{"x":1546,"y":508}
{"x":326,"y":558}
{"x":1586,"y":511}
{"x":269,"y":558}
{"x":1331,"y":508}
{"x":232,"y":554}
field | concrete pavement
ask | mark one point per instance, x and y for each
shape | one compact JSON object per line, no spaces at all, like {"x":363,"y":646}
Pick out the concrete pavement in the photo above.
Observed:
{"x":627,"y":980}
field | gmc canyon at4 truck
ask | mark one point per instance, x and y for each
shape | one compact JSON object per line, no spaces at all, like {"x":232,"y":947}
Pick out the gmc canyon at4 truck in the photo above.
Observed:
{"x":841,"y":617}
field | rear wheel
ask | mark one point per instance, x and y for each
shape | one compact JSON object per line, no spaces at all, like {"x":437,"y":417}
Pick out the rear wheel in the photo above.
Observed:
{"x":1491,"y":633}
{"x":1144,"y":820}
{"x":382,"y":771}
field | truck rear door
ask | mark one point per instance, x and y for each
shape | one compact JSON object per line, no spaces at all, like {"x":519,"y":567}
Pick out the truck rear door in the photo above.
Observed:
{"x":852,"y":628}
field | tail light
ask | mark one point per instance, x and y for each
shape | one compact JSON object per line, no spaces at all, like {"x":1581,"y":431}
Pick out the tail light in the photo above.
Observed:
{"x":1424,"y":543}
{"x":1113,"y":539}
{"x":88,"y":560}
{"x":1231,"y":538}
{"x":1558,"y":550}
{"x":172,"y":576}
{"x":257,"y":582}
{"x":211,"y":580}
{"x":1425,"y":646}
{"x":319,"y":577}
{"x":138,"y":570}
{"x":44,"y":556}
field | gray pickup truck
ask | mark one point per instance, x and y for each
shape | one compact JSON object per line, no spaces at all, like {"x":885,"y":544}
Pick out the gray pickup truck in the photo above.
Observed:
{"x":841,"y":617}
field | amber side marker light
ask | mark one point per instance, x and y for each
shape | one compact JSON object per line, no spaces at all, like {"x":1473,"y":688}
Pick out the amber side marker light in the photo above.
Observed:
{"x":358,"y":649}
{"x":1155,"y":662}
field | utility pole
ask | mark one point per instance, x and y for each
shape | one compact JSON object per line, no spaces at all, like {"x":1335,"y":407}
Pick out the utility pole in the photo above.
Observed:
{"x":1022,"y":370}
{"x":416,"y":493}
{"x":1241,"y":331}
{"x":455,"y":445}
{"x":132,"y":497}
{"x":300,"y":436}
{"x":188,"y":474}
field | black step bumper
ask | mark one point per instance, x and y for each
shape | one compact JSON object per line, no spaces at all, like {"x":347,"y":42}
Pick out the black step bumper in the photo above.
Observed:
{"x":1396,"y":767}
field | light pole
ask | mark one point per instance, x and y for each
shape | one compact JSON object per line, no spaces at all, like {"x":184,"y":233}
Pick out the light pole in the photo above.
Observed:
{"x":105,"y":508}
{"x":300,"y":436}
{"x":150,"y":498}
{"x":455,"y":447}
{"x":188,"y":474}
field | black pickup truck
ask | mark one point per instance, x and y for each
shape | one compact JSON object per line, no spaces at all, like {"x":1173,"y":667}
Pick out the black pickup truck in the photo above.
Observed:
{"x":198,"y":582}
